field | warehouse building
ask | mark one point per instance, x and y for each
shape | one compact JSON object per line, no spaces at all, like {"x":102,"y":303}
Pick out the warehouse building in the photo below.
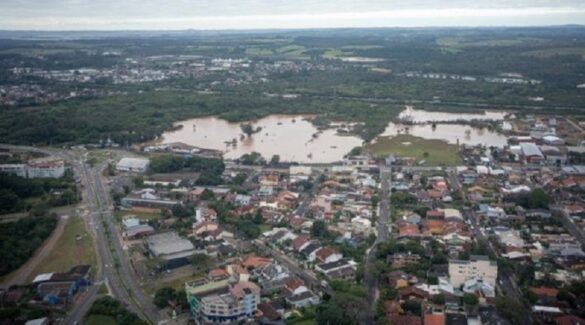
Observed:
{"x":170,"y":247}
{"x":133,"y":165}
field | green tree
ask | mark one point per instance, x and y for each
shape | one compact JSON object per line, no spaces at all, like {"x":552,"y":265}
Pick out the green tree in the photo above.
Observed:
{"x":162,"y":297}
{"x":275,"y":160}
{"x":470,"y":299}
{"x":438,"y":299}
{"x":207,"y":195}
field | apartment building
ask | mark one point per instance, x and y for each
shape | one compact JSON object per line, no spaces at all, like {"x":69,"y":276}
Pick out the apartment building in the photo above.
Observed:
{"x":477,"y":266}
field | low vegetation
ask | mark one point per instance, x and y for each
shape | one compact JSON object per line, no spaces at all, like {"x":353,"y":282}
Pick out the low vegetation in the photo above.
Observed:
{"x":433,"y":152}
{"x":74,"y":247}
{"x":107,"y":310}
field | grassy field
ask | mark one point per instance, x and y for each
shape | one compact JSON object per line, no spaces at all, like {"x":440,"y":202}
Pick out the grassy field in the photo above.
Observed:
{"x":264,"y":227}
{"x":73,"y":248}
{"x":438,"y":152}
{"x":177,"y":284}
{"x":100,"y":320}
{"x":258,"y":51}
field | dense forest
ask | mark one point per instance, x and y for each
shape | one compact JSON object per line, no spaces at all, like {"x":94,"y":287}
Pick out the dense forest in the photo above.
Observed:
{"x":210,"y":169}
{"x":15,"y":192}
{"x":20,"y":239}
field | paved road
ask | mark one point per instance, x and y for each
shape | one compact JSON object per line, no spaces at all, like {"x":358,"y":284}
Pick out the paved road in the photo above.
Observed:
{"x":23,"y":272}
{"x":306,"y":275}
{"x":115,"y":269}
{"x":383,"y":229}
{"x":571,"y":227}
{"x":507,"y":282}
{"x":308,"y":197}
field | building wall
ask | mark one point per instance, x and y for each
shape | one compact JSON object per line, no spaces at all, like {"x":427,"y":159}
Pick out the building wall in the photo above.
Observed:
{"x":461,"y":271}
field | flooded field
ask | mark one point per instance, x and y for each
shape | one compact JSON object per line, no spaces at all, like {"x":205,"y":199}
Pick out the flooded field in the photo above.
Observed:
{"x":293,"y":138}
{"x":451,"y":133}
{"x":421,"y":116}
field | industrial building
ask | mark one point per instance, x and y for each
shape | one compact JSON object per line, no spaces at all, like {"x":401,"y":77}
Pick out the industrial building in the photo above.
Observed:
{"x":170,"y":247}
{"x":133,"y":165}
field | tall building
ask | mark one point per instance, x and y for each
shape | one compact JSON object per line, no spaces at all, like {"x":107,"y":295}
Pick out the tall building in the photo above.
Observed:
{"x":478,"y":267}
{"x":223,"y":301}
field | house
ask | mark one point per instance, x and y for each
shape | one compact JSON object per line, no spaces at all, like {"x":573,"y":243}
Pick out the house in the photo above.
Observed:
{"x":327,"y":255}
{"x":412,"y":292}
{"x":341,"y":269}
{"x":434,"y":319}
{"x":295,"y":286}
{"x":496,"y":213}
{"x":400,"y":260}
{"x":300,"y":242}
{"x":569,"y":320}
{"x":268,"y":315}
{"x":254,"y":262}
{"x":531,"y":153}
{"x":304,"y":299}
{"x":138,"y":231}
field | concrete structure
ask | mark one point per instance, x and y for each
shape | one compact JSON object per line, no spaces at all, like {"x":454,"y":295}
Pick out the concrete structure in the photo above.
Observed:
{"x":477,"y":267}
{"x":16,"y":169}
{"x":227,"y":301}
{"x":170,"y":247}
{"x":531,"y":153}
{"x":134,"y":165}
{"x":48,"y":167}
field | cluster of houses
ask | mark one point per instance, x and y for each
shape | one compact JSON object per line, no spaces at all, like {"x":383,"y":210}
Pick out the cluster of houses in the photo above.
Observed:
{"x":51,"y":291}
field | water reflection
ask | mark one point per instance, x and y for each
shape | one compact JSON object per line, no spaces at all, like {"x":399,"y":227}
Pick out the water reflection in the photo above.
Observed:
{"x":452,"y":133}
{"x":420,"y":116}
{"x":293,"y":138}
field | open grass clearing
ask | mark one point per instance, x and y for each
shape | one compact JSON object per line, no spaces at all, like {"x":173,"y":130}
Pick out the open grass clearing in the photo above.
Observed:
{"x":434,"y":152}
{"x":144,"y":216}
{"x":74,"y":247}
{"x":100,"y":320}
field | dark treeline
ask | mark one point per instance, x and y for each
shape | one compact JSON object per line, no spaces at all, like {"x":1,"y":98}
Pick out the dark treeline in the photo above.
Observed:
{"x":209,"y":169}
{"x":14,"y":190}
{"x":20,"y":239}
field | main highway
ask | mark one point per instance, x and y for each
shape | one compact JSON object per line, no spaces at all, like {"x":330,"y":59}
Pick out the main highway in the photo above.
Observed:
{"x":115,"y":269}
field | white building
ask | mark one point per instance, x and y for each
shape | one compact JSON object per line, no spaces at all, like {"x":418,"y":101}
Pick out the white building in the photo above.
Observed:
{"x":16,"y":169}
{"x":476,"y":267}
{"x":47,"y":167}
{"x":229,"y":301}
{"x":135,"y":165}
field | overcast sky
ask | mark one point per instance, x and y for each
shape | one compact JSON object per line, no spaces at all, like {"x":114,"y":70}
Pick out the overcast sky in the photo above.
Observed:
{"x":254,"y":14}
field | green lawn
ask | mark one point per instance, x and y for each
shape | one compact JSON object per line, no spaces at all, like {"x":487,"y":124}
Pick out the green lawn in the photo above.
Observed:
{"x":100,"y":320}
{"x":438,"y":153}
{"x":264,"y":227}
{"x":258,"y":51}
{"x":74,"y":247}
